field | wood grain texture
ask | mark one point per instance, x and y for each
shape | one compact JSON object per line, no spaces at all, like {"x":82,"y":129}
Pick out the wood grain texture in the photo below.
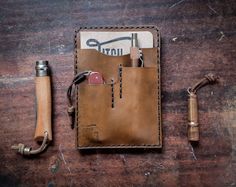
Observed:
{"x":198,"y":37}
{"x":44,"y":108}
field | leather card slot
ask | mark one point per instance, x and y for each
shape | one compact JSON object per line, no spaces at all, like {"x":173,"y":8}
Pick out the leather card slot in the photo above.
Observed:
{"x":135,"y":116}
{"x":132,"y":121}
{"x":90,"y":59}
{"x":93,"y":110}
{"x":123,"y":113}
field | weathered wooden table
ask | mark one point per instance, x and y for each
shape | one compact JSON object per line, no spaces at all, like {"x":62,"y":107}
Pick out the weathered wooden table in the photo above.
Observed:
{"x":198,"y":37}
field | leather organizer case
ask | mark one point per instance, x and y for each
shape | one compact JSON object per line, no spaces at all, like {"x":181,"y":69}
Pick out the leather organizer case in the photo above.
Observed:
{"x":126,"y":111}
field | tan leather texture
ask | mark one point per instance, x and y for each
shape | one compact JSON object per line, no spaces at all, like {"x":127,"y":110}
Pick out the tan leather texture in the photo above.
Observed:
{"x":125,"y":111}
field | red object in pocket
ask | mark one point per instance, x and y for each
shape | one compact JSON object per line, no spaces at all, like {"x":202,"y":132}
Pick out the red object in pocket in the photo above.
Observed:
{"x":95,"y":78}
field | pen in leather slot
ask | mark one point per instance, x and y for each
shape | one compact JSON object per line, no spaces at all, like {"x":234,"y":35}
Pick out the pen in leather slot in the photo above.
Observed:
{"x":44,"y":102}
{"x":134,"y":50}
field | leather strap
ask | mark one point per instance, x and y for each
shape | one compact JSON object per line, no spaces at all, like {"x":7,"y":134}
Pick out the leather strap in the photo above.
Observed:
{"x":208,"y":79}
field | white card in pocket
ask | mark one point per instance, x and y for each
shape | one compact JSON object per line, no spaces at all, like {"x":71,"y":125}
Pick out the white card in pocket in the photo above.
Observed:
{"x":114,"y":43}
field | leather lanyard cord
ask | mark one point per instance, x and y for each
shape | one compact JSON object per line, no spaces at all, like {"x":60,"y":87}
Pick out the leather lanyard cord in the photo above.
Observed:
{"x":25,"y":150}
{"x":208,"y":79}
{"x":80,"y":77}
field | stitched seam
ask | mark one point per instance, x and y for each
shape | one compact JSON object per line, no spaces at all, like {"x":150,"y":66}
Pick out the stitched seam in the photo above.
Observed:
{"x":75,"y":71}
{"x":158,"y":83}
{"x":76,"y":91}
{"x":91,"y":145}
{"x":121,"y":82}
{"x":121,"y":145}
{"x":158,"y":89}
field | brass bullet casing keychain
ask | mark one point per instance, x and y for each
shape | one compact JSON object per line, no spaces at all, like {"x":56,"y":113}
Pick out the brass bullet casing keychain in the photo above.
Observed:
{"x":43,"y":132}
{"x":193,"y":126}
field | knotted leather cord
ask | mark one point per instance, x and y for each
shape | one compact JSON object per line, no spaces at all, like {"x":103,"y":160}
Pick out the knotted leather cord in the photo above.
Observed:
{"x":43,"y":145}
{"x":208,"y":79}
{"x":80,"y":77}
{"x":24,"y":150}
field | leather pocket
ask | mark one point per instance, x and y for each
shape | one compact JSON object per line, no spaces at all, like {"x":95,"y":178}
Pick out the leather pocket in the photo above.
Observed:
{"x":93,"y":60}
{"x":90,"y":59}
{"x":94,"y":102}
{"x":132,"y":119}
{"x":122,"y":115}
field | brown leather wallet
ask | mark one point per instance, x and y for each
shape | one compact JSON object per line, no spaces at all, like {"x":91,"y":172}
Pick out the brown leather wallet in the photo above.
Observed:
{"x":125,"y":112}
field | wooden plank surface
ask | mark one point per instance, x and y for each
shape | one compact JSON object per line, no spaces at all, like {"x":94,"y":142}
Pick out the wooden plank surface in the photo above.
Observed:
{"x":198,"y":37}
